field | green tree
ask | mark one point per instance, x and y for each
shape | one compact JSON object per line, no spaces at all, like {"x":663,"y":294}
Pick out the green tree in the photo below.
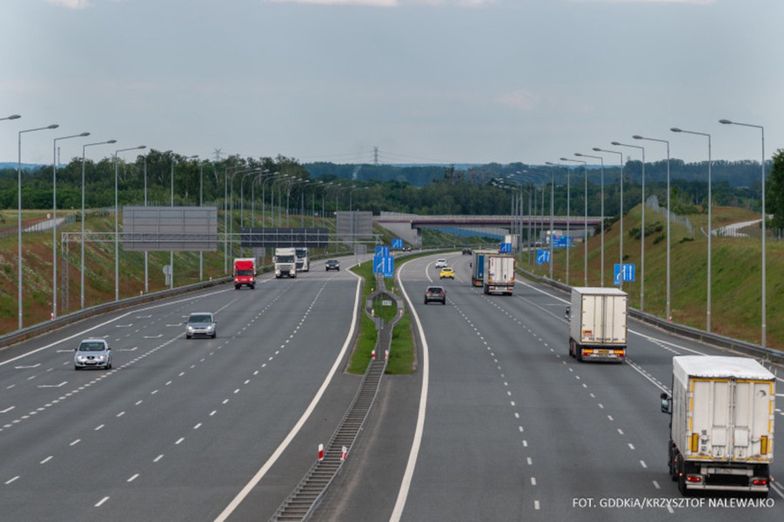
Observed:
{"x":775,"y":190}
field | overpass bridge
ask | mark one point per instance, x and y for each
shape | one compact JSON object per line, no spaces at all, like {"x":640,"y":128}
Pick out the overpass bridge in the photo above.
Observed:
{"x":408,"y":226}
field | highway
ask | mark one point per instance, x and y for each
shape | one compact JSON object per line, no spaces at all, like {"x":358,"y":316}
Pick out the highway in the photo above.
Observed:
{"x":178,"y":427}
{"x":498,"y":423}
{"x":512,"y":428}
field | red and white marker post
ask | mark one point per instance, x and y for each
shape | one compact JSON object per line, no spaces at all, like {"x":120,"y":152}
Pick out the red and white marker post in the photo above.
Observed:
{"x":320,"y":452}
{"x":343,"y":454}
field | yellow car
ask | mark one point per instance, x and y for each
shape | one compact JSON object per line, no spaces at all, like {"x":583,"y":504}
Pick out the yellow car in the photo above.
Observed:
{"x":447,"y":273}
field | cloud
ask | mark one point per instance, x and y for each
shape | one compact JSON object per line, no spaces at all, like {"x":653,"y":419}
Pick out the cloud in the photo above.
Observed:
{"x":520,"y":100}
{"x":385,"y":3}
{"x":692,"y":2}
{"x":71,"y":4}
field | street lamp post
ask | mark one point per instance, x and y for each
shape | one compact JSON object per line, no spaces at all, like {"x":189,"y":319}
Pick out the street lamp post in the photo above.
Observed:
{"x":568,"y":214}
{"x":601,"y":159}
{"x":620,"y":162}
{"x":117,"y":222}
{"x":585,"y":224}
{"x":146,"y":253}
{"x":710,"y":222}
{"x":81,"y":235}
{"x":642,"y":227}
{"x":19,"y":213}
{"x":54,"y":217}
{"x":668,"y":302}
{"x":764,"y":332}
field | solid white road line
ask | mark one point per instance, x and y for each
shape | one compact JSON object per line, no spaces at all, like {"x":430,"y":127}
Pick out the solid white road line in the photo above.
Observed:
{"x":228,"y":510}
{"x":408,"y":475}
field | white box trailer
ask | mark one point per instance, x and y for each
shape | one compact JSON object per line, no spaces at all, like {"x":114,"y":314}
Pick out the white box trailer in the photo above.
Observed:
{"x":499,"y":274}
{"x":597,"y":324}
{"x":721,"y":436}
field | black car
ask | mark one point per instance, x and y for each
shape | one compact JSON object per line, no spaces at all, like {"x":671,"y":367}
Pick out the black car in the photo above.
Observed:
{"x":435,"y":293}
{"x":333,"y":264}
{"x":466,"y":251}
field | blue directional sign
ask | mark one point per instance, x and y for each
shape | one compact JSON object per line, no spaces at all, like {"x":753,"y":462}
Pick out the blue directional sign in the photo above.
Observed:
{"x":397,"y":244}
{"x":542,"y":256}
{"x":384,"y":265}
{"x":505,"y":248}
{"x":382,"y":250}
{"x":624,"y":272}
{"x":562,"y":242}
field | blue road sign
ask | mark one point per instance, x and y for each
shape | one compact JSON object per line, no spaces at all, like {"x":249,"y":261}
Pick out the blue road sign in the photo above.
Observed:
{"x":382,"y":250}
{"x":626,"y":273}
{"x":542,"y":256}
{"x":397,"y":244}
{"x":505,"y":248}
{"x":384,"y":265}
{"x":562,"y":242}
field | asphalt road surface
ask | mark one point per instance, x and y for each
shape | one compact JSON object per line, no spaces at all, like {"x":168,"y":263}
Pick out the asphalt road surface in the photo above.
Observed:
{"x":178,"y":427}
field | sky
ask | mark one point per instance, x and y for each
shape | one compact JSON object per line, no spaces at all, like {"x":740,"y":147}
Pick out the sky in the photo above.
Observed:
{"x":448,"y":81}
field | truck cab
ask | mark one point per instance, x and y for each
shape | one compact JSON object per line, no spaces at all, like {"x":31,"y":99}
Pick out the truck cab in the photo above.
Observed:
{"x":245,"y":272}
{"x":303,"y":263}
{"x":285,"y":263}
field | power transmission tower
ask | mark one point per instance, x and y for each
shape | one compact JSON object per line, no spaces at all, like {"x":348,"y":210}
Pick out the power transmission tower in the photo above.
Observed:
{"x":217,"y":154}
{"x":375,"y":156}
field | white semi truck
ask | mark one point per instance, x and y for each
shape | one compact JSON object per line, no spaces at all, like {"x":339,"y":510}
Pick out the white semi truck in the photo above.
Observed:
{"x":721,"y":429}
{"x":303,"y":262}
{"x":285,"y":262}
{"x":597,"y":324}
{"x":499,"y":274}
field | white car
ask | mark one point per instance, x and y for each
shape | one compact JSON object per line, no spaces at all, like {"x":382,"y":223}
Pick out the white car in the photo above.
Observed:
{"x":93,"y":353}
{"x":440,"y":263}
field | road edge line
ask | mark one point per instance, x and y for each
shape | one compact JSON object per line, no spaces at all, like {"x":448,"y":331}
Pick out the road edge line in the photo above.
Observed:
{"x":245,"y":491}
{"x":405,"y":484}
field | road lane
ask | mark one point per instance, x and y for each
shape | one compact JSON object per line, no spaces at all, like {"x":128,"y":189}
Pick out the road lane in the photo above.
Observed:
{"x":179,"y":426}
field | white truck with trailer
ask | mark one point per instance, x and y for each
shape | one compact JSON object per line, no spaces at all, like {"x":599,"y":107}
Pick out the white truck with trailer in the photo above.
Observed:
{"x":285,"y":262}
{"x":499,"y":274}
{"x":303,"y":261}
{"x":721,"y":427}
{"x":597,"y":324}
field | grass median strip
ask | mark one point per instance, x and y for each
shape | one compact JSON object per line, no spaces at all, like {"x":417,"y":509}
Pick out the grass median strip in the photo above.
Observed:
{"x":401,"y":356}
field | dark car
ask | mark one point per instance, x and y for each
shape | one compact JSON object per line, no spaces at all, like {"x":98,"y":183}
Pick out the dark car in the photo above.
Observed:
{"x":466,"y":251}
{"x":333,"y":264}
{"x":435,"y":293}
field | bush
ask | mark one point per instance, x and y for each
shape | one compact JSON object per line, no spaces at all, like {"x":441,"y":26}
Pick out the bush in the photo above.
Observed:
{"x":658,"y":239}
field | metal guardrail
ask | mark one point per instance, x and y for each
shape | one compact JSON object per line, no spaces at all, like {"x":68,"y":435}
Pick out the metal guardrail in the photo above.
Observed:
{"x":18,"y":336}
{"x":768,"y":355}
{"x":35,"y":330}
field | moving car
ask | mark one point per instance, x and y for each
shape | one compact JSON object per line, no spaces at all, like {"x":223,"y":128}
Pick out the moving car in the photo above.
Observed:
{"x":93,"y":353}
{"x":440,"y":263}
{"x":435,"y":293}
{"x":467,"y":252}
{"x":333,"y":264}
{"x":447,"y":273}
{"x":201,"y":323}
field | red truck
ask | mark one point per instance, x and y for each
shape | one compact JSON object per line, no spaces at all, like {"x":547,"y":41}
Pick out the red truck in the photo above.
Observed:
{"x":244,"y":272}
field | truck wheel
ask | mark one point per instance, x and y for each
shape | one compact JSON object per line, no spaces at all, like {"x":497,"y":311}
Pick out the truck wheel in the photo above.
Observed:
{"x":682,"y":477}
{"x":671,"y":464}
{"x":236,"y":287}
{"x":578,"y":351}
{"x":252,"y":287}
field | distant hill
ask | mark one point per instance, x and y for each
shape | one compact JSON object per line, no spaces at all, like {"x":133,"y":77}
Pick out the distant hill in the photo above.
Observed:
{"x":25,"y":166}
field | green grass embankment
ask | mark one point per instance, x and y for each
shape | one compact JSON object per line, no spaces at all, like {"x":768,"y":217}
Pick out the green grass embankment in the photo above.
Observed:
{"x":736,"y":266}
